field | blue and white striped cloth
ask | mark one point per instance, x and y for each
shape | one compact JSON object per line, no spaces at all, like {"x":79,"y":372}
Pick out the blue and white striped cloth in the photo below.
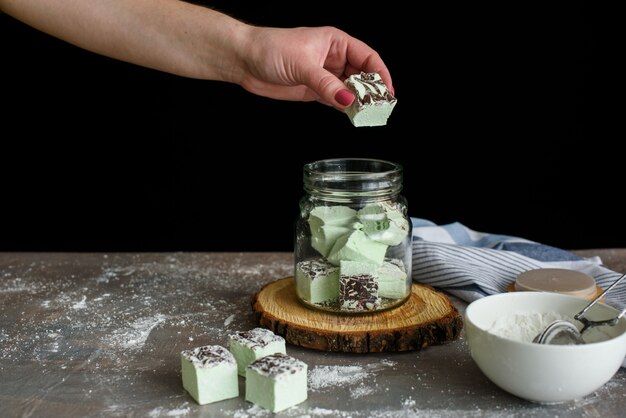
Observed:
{"x":470,"y":264}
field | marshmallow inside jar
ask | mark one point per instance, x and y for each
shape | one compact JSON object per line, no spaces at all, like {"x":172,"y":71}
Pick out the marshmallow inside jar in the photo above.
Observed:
{"x":556,"y":280}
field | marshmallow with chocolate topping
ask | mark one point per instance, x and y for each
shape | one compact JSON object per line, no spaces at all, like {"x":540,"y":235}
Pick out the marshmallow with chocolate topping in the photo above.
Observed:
{"x":276,"y":382}
{"x":373,"y":102}
{"x":209,"y":374}
{"x":358,"y":286}
{"x":317,"y":281}
{"x":248,"y":346}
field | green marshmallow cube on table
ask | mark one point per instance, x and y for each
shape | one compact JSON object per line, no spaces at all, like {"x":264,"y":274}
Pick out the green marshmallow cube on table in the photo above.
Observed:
{"x":248,"y":346}
{"x":209,"y":374}
{"x":276,"y":382}
{"x":317,"y":281}
{"x":358,"y":286}
{"x":373,"y":102}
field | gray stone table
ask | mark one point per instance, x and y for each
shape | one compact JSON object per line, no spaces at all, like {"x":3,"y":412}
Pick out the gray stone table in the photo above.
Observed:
{"x":100,"y":335}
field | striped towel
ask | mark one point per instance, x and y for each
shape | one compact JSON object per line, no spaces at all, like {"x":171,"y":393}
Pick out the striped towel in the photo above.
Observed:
{"x":470,"y":264}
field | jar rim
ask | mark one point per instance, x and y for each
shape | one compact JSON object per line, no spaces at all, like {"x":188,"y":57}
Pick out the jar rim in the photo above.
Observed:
{"x":340,"y":178}
{"x":381,"y":168}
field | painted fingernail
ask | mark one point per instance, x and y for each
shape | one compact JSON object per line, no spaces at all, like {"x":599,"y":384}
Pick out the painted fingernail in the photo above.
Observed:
{"x":344,"y":97}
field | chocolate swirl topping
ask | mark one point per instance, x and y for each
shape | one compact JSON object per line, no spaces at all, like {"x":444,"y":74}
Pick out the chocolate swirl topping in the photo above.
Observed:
{"x":209,"y":356}
{"x":314,"y":269}
{"x":277,"y":365}
{"x":256,"y":338}
{"x":369,"y":89}
{"x":358,"y":292}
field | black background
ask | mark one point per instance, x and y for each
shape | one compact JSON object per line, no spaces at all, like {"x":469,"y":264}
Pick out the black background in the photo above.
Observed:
{"x":503,"y":103}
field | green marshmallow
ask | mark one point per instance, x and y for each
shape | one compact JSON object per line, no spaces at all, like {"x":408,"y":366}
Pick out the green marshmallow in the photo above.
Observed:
{"x":374,"y":219}
{"x":356,"y":246}
{"x":325,"y":237}
{"x":384,"y":224}
{"x":392,"y":279}
{"x":317,"y":281}
{"x":276,"y":382}
{"x":373,"y":102}
{"x":375,"y":213}
{"x":327,"y":224}
{"x":248,"y":346}
{"x":209,"y":374}
{"x":358,"y":286}
{"x":357,"y":268}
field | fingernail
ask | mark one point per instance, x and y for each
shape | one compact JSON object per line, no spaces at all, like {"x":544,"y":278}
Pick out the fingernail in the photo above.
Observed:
{"x":344,"y":97}
{"x":393,"y":91}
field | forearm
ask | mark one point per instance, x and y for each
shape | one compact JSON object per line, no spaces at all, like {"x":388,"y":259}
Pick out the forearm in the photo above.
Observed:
{"x":168,"y":35}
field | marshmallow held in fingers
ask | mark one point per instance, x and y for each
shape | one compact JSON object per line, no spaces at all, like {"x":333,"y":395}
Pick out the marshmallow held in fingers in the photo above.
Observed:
{"x":373,"y":102}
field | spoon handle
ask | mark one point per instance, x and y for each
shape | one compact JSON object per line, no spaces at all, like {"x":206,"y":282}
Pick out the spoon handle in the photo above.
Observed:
{"x":593,"y":302}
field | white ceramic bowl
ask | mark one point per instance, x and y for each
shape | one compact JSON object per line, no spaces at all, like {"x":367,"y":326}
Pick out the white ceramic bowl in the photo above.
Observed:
{"x":536,"y":372}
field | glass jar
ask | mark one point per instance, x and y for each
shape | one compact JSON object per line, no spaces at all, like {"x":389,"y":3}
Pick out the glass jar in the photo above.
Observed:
{"x":353,"y":237}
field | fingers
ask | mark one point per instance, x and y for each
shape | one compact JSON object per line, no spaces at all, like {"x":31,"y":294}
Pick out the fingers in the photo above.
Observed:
{"x":328,"y":87}
{"x":317,"y":71}
{"x":363,"y":58}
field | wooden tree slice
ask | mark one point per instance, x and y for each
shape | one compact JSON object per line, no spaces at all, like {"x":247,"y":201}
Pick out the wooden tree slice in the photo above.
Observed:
{"x":426,"y":318}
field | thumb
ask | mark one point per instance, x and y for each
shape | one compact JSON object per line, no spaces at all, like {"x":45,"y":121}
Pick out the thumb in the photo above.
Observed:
{"x":328,"y":87}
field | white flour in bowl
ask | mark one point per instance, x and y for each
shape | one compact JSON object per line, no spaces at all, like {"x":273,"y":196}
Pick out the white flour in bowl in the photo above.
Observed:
{"x":526,"y":326}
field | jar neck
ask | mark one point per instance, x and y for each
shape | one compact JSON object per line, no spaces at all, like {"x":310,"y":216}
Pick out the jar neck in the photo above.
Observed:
{"x":344,"y":180}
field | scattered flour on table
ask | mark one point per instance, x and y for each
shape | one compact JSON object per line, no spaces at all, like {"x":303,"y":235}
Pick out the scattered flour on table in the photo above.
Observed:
{"x":413,"y":408}
{"x":228,"y":320}
{"x":161,"y":412}
{"x":135,"y":335}
{"x":318,"y":412}
{"x":122,"y":301}
{"x":361,"y":391}
{"x":322,"y":377}
{"x":17,"y":285}
{"x":253,"y":411}
{"x":82,"y":304}
{"x":322,"y":412}
{"x":295,"y":411}
{"x":381,"y":364}
{"x":409,"y":402}
{"x":113,"y":273}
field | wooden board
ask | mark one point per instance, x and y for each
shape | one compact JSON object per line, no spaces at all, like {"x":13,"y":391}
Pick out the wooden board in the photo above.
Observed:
{"x":426,"y":318}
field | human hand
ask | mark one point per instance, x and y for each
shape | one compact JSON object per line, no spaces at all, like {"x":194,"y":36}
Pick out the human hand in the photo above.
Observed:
{"x":192,"y":41}
{"x":307,"y":64}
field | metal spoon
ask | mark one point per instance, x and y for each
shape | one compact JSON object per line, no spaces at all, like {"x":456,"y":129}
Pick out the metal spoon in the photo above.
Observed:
{"x":561,"y":332}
